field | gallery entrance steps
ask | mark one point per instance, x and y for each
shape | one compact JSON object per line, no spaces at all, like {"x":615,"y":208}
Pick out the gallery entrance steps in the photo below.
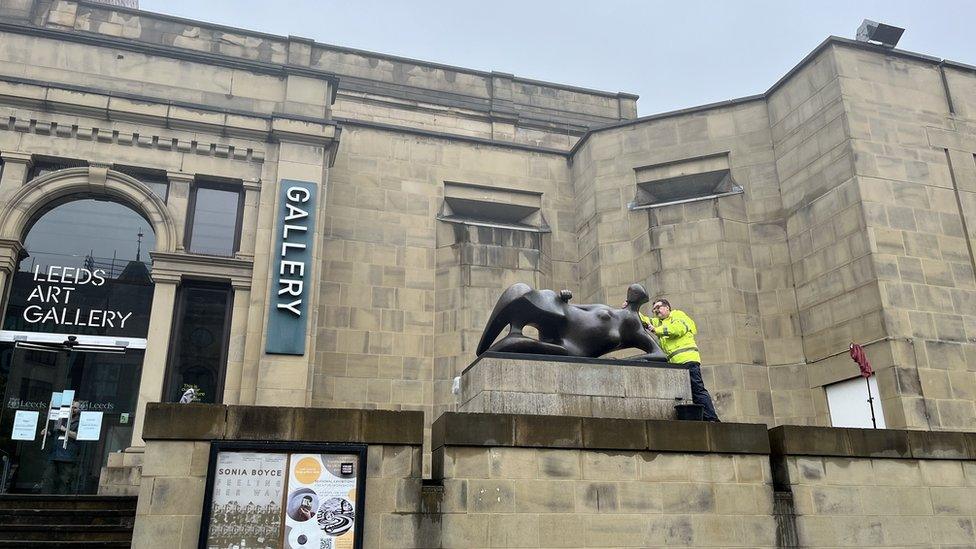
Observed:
{"x":66,"y":521}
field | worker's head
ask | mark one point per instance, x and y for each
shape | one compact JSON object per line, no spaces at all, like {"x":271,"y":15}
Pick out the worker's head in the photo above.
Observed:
{"x":661,"y":308}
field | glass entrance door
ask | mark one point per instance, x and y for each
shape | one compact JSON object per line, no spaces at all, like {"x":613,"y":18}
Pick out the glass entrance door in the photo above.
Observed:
{"x":102,"y":382}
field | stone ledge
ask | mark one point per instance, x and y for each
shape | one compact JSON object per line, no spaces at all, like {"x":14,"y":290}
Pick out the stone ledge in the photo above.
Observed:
{"x":787,"y":440}
{"x":586,"y":433}
{"x":172,"y":421}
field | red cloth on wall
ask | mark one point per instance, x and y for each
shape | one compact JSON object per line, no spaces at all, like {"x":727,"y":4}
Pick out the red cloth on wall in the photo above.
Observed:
{"x":857,"y":354}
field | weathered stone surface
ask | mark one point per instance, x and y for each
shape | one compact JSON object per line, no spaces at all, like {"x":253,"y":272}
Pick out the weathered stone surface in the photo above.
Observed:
{"x":549,"y":386}
{"x":473,"y":429}
{"x":206,"y":422}
{"x":187,"y":422}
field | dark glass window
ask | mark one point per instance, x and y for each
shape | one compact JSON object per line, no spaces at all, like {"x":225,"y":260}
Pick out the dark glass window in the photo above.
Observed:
{"x":89,"y":232}
{"x":156,"y":180}
{"x":215,"y":220}
{"x":43,"y":165}
{"x":198,"y":354}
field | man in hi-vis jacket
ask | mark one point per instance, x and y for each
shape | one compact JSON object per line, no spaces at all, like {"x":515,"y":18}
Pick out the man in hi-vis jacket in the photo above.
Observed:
{"x":676,"y":332}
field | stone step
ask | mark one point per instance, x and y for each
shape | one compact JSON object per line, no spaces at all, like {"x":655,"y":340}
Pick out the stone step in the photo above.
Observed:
{"x":61,"y":532}
{"x":119,"y":517}
{"x":32,"y":501}
{"x":33,"y":544}
{"x":28,"y":520}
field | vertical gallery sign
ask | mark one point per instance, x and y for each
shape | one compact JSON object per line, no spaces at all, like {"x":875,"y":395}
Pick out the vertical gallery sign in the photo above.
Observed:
{"x":292,"y":263}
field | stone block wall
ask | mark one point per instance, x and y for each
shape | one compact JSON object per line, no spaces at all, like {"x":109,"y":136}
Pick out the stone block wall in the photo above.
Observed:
{"x":836,"y":298}
{"x":857,"y":488}
{"x":916,"y":177}
{"x":859,"y":176}
{"x":698,"y":254}
{"x":178,"y":439}
{"x":502,"y":480}
{"x":532,"y":481}
{"x":171,"y":493}
{"x":404,"y":297}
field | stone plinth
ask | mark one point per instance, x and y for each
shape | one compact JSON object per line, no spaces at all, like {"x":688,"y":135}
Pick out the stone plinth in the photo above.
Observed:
{"x":508,"y":383}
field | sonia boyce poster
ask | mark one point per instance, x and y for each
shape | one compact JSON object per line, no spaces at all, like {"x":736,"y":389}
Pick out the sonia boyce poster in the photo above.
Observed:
{"x":246,"y":503}
{"x":320,"y":506}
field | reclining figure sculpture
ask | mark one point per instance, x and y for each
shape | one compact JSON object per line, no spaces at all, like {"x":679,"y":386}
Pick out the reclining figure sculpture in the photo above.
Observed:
{"x":566,"y":329}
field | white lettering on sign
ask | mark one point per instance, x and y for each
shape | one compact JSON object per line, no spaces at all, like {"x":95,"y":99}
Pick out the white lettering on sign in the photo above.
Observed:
{"x":63,"y":282}
{"x":293,"y":286}
{"x":56,"y":274}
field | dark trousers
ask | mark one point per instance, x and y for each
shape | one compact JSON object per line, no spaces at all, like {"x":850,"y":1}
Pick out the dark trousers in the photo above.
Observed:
{"x":59,"y":477}
{"x":699,"y":394}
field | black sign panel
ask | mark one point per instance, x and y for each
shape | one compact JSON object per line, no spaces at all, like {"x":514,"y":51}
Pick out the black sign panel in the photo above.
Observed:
{"x":77,"y":300}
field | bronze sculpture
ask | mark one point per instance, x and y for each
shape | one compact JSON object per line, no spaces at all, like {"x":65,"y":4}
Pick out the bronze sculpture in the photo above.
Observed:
{"x":566,"y":329}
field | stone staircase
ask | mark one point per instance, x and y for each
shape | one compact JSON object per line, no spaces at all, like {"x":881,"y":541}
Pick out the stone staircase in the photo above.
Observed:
{"x":28,"y":521}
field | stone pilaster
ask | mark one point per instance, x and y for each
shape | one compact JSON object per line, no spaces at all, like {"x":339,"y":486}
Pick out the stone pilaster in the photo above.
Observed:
{"x":9,"y":253}
{"x":157,"y":347}
{"x":235,"y":350}
{"x":249,"y":219}
{"x":16,"y":167}
{"x":178,"y":198}
{"x":304,"y":154}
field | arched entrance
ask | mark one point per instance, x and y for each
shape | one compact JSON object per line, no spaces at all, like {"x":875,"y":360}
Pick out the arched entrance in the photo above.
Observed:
{"x":75,"y":325}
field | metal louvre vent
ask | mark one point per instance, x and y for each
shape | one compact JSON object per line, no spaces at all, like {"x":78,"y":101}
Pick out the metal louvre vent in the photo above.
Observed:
{"x":684,"y":181}
{"x":492,"y":207}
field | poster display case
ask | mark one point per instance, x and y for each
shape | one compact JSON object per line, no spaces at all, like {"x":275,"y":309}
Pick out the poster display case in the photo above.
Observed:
{"x":284,"y":496}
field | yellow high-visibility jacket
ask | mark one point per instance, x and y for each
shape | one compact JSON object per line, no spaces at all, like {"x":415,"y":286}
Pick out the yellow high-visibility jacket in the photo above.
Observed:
{"x":677,"y":336}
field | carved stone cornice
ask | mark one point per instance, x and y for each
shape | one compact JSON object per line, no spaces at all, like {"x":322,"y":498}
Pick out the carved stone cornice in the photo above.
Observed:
{"x":17,"y":157}
{"x":175,"y":267}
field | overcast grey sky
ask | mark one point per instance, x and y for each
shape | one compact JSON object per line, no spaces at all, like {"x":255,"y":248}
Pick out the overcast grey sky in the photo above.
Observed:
{"x":673,"y":54}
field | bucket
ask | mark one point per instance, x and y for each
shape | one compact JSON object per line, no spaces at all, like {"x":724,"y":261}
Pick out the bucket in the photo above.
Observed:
{"x":689,"y":412}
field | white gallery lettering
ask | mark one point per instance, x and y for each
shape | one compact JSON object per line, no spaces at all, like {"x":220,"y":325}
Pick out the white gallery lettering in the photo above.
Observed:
{"x":291,"y":283}
{"x":50,"y":300}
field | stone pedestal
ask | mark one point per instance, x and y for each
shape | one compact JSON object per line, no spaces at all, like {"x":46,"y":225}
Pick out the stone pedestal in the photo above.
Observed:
{"x":506,"y":383}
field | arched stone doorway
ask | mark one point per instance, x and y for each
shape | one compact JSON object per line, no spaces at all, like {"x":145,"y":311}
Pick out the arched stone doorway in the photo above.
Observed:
{"x":78,"y":302}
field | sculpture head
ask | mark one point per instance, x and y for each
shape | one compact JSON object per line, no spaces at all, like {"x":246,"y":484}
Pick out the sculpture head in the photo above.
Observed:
{"x":637,"y":295}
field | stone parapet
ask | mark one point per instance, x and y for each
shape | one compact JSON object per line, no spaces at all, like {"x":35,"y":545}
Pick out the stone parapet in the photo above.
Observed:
{"x":540,"y":105}
{"x":510,"y":383}
{"x":168,"y":421}
{"x":588,"y":433}
{"x":871,"y":443}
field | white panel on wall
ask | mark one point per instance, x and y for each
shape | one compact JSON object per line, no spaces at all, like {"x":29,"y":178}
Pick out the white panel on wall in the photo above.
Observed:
{"x":848,"y":403}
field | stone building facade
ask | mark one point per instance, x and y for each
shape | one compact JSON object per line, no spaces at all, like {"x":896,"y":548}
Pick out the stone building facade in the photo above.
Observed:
{"x":836,"y":207}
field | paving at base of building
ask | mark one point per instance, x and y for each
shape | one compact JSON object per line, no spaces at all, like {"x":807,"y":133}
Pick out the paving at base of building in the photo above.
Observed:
{"x":309,"y":239}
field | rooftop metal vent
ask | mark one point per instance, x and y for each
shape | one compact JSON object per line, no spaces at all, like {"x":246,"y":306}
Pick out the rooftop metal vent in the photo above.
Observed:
{"x":879,"y":33}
